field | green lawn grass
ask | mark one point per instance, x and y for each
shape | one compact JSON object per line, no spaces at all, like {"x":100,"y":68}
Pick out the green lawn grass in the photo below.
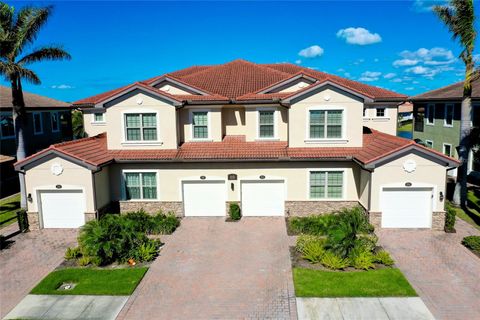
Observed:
{"x":406,"y":127}
{"x":115,"y":282}
{"x":474,"y":208}
{"x":8,"y":209}
{"x":388,"y":282}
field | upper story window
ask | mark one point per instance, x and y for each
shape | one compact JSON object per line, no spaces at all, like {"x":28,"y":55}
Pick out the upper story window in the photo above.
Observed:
{"x":141,"y":127}
{"x":430,"y":114}
{"x":447,"y":149}
{"x":448,"y":121}
{"x":266,"y":124}
{"x":55,"y":121}
{"x":6,"y":125}
{"x":37,"y":123}
{"x":200,"y":124}
{"x":326,"y":184}
{"x":364,"y":112}
{"x":141,"y":185}
{"x":98,"y":117}
{"x":381,"y":112}
{"x":326,"y":124}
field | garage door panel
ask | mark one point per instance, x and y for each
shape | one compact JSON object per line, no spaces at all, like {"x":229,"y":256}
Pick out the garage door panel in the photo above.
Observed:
{"x":62,"y":209}
{"x":406,"y":208}
{"x":265,"y":198}
{"x":203,"y":199}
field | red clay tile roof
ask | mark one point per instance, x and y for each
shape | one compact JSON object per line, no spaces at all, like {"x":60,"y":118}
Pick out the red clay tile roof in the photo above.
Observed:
{"x":451,"y":92}
{"x":31,"y":100}
{"x":241,"y":80}
{"x":376,"y":145}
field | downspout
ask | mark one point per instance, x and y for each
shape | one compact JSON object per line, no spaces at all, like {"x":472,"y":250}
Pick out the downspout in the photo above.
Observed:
{"x":94,"y":191}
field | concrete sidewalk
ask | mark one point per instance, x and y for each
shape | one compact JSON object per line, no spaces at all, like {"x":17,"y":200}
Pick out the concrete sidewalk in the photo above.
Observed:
{"x":362,"y":309}
{"x":68,"y":307}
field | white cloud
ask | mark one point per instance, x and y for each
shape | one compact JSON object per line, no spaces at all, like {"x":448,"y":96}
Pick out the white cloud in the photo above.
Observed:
{"x":409,"y":88}
{"x":360,"y":36}
{"x":298,"y":61}
{"x":311,"y":52}
{"x":433,"y":56}
{"x":418,"y":70}
{"x":397,"y":80}
{"x":370,"y":76}
{"x":62,"y":86}
{"x":428,"y":72}
{"x":426,"y":6}
{"x":405,"y":62}
{"x":390,"y":75}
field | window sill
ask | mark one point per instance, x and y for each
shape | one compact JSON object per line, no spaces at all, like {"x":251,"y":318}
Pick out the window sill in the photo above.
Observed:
{"x":326,"y":141}
{"x":328,"y":199}
{"x":201,"y":140}
{"x":267,"y":139}
{"x":142,"y":143}
{"x":429,"y":124}
{"x":381,"y":119}
{"x":98,"y":123}
{"x":448,"y":125}
{"x":140,"y":200}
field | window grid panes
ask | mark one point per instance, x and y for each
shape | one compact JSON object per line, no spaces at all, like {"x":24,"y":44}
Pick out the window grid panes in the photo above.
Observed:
{"x":447,"y":150}
{"x":326,"y":184}
{"x":37,"y":123}
{"x":266,"y":123}
{"x":6,"y":124}
{"x":200,"y":125}
{"x":380,"y":112}
{"x":98,"y":117}
{"x":430,"y":113}
{"x":54,"y":119}
{"x":141,"y":185}
{"x":141,"y":127}
{"x":326,"y":124}
{"x":448,"y":114}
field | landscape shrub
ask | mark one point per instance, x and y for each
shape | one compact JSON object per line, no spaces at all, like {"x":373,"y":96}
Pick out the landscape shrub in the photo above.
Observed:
{"x":234,"y":211}
{"x":384,"y":258}
{"x":140,"y":220}
{"x":472,"y":242}
{"x":450,"y":217}
{"x":147,"y":251}
{"x":304,"y":239}
{"x":315,"y":225}
{"x":83,"y":261}
{"x":313,"y":251}
{"x":165,"y":223}
{"x":332,"y":261}
{"x":367,"y":242}
{"x":72,"y":253}
{"x":364,"y":260}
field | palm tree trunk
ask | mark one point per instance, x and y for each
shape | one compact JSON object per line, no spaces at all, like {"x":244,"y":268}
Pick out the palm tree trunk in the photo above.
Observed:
{"x":19,"y":123}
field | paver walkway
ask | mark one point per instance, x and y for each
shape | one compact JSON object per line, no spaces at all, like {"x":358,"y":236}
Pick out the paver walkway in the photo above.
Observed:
{"x":211,"y":269}
{"x":29,"y":258}
{"x":443,"y":272}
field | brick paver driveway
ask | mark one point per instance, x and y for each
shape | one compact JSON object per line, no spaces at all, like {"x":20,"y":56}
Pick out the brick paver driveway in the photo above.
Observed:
{"x":445,"y":274}
{"x":30,"y":258}
{"x":213,"y":269}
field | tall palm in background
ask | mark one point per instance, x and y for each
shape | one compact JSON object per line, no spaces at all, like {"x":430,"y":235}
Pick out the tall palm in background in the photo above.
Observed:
{"x":18,"y":31}
{"x":459,"y":18}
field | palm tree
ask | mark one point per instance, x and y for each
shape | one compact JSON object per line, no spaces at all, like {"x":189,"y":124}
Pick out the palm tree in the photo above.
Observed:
{"x":18,"y":30}
{"x":459,"y":18}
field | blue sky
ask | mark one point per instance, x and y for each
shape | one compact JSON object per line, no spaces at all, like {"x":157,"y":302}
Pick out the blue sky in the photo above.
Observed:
{"x":398,"y":45}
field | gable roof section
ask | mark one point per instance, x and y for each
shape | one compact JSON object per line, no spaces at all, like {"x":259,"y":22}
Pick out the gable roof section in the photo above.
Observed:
{"x":31,"y":100}
{"x":450,"y":92}
{"x":378,"y":148}
{"x":243,"y":81}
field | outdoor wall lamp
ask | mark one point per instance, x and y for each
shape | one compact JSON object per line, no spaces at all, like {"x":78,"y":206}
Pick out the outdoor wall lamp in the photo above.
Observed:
{"x":29,"y":197}
{"x":441,"y":196}
{"x":232,"y":186}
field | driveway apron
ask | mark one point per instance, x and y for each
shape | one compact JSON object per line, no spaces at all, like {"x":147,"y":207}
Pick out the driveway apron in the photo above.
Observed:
{"x":212,"y":269}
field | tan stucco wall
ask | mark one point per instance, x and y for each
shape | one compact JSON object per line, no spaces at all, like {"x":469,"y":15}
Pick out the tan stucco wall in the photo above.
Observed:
{"x":280,"y":118}
{"x":364,"y":187}
{"x":426,"y":174}
{"x":167,"y":132}
{"x":295,"y":87}
{"x":214,"y":118}
{"x":102,"y":187}
{"x":173,"y":89}
{"x":92,"y":129}
{"x":73,"y":177}
{"x":295,"y":175}
{"x":233,"y":119}
{"x":327,"y":98}
{"x":387,"y":124}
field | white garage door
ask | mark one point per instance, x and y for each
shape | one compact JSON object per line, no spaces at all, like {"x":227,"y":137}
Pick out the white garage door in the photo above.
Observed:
{"x":406,"y":207}
{"x":263,"y":198}
{"x":204,"y":198}
{"x":62,"y":208}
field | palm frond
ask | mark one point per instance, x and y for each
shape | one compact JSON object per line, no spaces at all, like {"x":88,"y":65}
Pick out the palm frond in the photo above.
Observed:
{"x":45,"y":53}
{"x":6,"y":19}
{"x":29,"y":75}
{"x":29,"y":21}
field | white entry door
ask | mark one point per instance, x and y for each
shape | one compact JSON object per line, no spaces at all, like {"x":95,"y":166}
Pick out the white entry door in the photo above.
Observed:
{"x":204,"y":198}
{"x":406,"y":207}
{"x":263,"y":198}
{"x":62,"y":208}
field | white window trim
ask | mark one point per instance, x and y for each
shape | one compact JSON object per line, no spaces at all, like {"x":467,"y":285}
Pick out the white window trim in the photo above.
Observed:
{"x":344,"y":184}
{"x":2,"y":137}
{"x":443,"y":148}
{"x":429,"y":107}
{"x":428,"y":141}
{"x":275,"y":124}
{"x":157,"y":142}
{"x":342,"y":139}
{"x":35,"y":132}
{"x":58,"y":121}
{"x":445,"y":115}
{"x":365,"y":116}
{"x":209,"y":124}
{"x":386,"y":114}
{"x":124,"y":185}
{"x":98,"y":123}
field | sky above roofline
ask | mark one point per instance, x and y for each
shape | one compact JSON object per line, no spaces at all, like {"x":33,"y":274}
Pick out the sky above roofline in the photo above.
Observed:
{"x":396,"y":45}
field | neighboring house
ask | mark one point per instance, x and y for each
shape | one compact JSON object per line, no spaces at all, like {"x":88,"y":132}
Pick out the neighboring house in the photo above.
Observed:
{"x":278,"y":139}
{"x":405,"y":112}
{"x":437,"y":119}
{"x":48,"y":122}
